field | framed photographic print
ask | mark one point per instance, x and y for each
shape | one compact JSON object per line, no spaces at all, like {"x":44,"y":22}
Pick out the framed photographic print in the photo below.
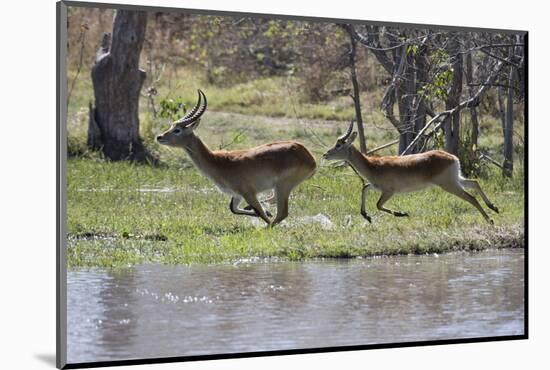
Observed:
{"x":235,"y":184}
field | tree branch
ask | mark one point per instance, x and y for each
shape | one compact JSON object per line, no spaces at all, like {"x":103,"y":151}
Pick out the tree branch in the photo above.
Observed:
{"x":396,"y":141}
{"x":469,"y":103}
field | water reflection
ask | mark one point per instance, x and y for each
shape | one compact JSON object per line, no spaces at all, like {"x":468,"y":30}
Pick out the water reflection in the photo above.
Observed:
{"x":159,"y":311}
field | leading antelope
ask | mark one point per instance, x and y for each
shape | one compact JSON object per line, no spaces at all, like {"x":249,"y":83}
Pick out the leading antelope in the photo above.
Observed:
{"x":400,"y":174}
{"x":243,"y":174}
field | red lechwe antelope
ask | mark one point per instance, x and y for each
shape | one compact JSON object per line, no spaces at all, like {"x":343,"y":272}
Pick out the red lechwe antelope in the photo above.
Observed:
{"x":392,"y":175}
{"x":278,"y":166}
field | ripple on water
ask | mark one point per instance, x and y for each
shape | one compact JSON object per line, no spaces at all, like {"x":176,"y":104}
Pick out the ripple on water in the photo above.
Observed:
{"x":162,"y":310}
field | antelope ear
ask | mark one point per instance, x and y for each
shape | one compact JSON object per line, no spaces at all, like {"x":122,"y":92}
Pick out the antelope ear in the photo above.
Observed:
{"x":351,"y":138}
{"x":195,"y":124}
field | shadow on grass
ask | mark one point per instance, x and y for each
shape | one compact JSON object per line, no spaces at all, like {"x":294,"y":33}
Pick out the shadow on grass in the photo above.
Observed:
{"x":220,"y":230}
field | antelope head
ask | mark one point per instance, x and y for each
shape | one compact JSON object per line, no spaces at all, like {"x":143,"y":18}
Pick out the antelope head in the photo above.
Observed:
{"x":180,"y":131}
{"x":340,"y":150}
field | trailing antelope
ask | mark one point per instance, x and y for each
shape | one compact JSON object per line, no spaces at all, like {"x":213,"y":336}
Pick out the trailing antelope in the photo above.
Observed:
{"x":278,"y":166}
{"x":400,"y":174}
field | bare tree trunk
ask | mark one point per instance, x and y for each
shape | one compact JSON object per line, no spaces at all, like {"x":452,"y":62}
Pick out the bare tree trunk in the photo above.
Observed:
{"x":508,"y":165}
{"x":356,"y":96}
{"x":94,"y":135}
{"x":452,"y":124}
{"x":515,"y":75}
{"x":402,"y":86}
{"x":117,"y":82}
{"x":402,"y":90}
{"x":406,"y":91}
{"x":473,"y":110}
{"x":501,"y":108}
{"x":421,"y":72}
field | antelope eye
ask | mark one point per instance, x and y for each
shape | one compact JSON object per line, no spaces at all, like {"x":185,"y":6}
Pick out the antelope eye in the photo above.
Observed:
{"x":338,"y":145}
{"x":177,"y":131}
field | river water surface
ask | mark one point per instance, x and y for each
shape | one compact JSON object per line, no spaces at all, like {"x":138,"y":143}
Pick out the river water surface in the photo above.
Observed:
{"x":160,"y":311}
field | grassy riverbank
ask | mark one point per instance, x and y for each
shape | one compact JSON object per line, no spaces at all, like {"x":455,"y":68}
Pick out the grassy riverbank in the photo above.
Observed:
{"x":123,"y":213}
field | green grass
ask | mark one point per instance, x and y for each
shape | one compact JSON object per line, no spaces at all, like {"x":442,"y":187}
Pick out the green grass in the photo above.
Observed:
{"x":255,"y":105}
{"x":124,"y":213}
{"x":115,"y":219}
{"x":270,"y":97}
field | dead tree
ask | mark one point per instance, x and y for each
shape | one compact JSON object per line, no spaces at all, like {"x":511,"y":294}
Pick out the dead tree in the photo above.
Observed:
{"x":402,"y":89}
{"x":356,"y":96}
{"x":405,"y":95}
{"x":403,"y":59}
{"x":440,"y":119}
{"x":117,"y":82}
{"x":452,"y":124}
{"x":501,"y":108}
{"x":473,"y":110}
{"x":508,"y":165}
{"x":420,"y":108}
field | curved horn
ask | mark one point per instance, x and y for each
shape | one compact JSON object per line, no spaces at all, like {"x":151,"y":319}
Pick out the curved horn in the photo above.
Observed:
{"x":347,"y":133}
{"x":203,"y":108}
{"x":188,"y":117}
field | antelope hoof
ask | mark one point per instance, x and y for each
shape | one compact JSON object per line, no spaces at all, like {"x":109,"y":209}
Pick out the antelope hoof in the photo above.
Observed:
{"x":489,"y":220}
{"x":367,"y":217}
{"x":493,"y":208}
{"x":400,"y":214}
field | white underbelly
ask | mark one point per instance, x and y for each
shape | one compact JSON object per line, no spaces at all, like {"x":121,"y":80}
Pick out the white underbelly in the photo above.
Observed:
{"x":403,"y":186}
{"x":262,"y":183}
{"x":261,"y":186}
{"x":408,"y":188}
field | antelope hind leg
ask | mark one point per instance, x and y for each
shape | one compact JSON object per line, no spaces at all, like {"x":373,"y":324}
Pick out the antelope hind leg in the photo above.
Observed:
{"x":474,"y":185}
{"x":380,"y":205}
{"x":462,"y":194}
{"x":282,"y":195}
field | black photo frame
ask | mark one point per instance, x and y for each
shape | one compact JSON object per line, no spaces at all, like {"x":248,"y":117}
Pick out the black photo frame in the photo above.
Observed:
{"x":62,"y":230}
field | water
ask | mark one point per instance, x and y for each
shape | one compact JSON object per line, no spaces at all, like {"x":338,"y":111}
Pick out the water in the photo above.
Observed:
{"x":160,"y":311}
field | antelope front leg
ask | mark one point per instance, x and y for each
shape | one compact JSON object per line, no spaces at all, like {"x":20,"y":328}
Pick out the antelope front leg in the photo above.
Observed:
{"x":363,"y":197}
{"x":380,"y":205}
{"x":263,"y":201}
{"x":248,"y":208}
{"x":234,"y":208}
{"x":247,"y":211}
{"x":257,"y":207}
